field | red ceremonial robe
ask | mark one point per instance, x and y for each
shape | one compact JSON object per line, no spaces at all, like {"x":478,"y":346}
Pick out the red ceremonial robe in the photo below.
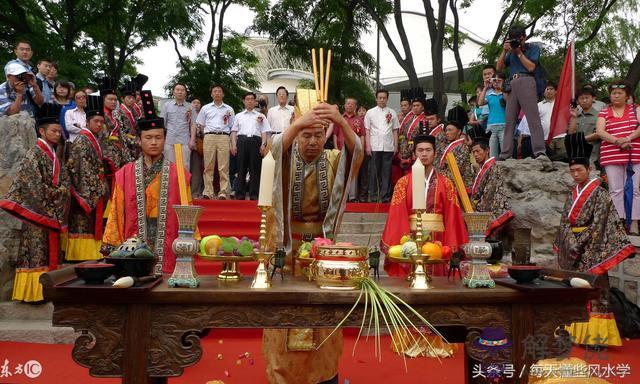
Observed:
{"x":441,"y":198}
{"x":123,"y":220}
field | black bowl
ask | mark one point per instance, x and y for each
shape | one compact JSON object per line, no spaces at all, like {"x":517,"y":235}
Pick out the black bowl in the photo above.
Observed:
{"x":94,"y":273}
{"x":523,"y":274}
{"x":496,"y":251}
{"x":134,"y":267}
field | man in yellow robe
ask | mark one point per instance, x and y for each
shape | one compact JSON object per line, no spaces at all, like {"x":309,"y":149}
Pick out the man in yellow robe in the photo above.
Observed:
{"x":310,"y":193}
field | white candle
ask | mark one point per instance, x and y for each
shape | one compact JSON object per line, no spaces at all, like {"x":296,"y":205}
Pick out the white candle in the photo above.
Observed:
{"x":267,"y":174}
{"x":418,"y":187}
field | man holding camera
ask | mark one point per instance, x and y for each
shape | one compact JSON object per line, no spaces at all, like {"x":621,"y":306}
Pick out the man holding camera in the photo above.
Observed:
{"x":20,"y":92}
{"x":523,"y":59}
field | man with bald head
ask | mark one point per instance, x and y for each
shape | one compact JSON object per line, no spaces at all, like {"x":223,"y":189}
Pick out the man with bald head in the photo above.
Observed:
{"x":310,"y":193}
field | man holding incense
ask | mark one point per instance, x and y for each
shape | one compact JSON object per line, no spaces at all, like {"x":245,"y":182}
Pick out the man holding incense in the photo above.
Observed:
{"x":144,"y":191}
{"x":310,"y":194}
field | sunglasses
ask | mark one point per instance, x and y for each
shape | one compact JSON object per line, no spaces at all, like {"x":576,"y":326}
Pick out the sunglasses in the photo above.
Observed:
{"x":81,"y":97}
{"x":617,"y":86}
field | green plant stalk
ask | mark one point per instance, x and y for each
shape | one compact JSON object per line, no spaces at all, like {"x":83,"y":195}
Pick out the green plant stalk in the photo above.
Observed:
{"x":399,"y":311}
{"x":418,"y":315}
{"x":395,"y":311}
{"x":384,"y":299}
{"x":364,"y":316}
{"x":384,"y":317}
{"x":342,"y":321}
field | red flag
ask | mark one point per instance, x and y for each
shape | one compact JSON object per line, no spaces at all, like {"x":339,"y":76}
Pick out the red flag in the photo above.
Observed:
{"x":566,"y":92}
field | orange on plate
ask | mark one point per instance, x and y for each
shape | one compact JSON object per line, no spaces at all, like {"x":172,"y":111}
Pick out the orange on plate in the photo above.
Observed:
{"x":433,"y":250}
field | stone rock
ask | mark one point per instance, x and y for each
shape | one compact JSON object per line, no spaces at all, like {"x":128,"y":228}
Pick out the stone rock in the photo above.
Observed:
{"x":537,"y":191}
{"x":19,"y":136}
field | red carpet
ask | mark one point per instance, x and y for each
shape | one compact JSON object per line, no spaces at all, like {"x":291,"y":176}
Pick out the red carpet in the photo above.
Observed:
{"x":242,"y":218}
{"x":230,"y":344}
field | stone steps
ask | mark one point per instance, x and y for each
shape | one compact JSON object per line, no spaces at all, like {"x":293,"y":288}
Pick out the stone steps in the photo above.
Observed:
{"x":14,"y":310}
{"x":35,"y":331}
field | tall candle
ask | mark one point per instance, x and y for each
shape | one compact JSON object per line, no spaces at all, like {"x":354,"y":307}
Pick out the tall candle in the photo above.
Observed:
{"x":267,"y":174}
{"x":418,"y":188}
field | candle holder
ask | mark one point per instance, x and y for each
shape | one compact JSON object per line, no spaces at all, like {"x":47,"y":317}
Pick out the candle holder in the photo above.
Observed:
{"x":261,"y":280}
{"x":478,"y":249}
{"x":185,"y":246}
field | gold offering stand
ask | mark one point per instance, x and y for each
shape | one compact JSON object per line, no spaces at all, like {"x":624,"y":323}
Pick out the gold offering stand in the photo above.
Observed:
{"x":230,"y":269}
{"x":420,"y":277}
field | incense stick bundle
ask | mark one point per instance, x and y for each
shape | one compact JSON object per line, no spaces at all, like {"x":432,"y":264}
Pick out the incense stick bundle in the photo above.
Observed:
{"x":321,"y":80}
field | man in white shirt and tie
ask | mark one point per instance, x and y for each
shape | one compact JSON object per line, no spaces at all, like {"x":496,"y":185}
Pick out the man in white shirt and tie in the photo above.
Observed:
{"x":216,"y":119}
{"x":281,"y":115}
{"x":248,"y":144}
{"x":381,"y":124}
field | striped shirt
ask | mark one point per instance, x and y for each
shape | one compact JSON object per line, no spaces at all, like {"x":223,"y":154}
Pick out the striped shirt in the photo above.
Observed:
{"x":611,"y":154}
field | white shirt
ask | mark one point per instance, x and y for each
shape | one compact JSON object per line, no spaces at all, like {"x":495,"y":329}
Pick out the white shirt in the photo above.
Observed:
{"x":381,"y":122}
{"x":74,"y":121}
{"x":250,"y":123}
{"x":280,"y":118}
{"x":545,"y":108}
{"x":216,"y":118}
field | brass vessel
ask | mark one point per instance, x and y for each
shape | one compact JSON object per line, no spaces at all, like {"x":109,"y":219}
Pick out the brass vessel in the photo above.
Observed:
{"x":338,"y":267}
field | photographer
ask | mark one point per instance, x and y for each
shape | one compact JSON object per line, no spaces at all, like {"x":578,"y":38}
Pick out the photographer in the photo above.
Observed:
{"x":20,"y":92}
{"x":523,"y":59}
{"x":493,"y":97}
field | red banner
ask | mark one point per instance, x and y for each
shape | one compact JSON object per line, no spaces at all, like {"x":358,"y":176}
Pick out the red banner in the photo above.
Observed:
{"x":566,"y":92}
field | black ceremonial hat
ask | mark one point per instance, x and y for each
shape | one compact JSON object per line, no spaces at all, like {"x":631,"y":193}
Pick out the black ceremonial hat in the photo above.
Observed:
{"x":129,"y":88}
{"x":423,"y":136}
{"x":431,"y":107}
{"x":48,"y":113}
{"x":458,"y":116}
{"x":478,"y":135}
{"x":149,"y":120}
{"x":578,"y":149}
{"x":108,"y":86}
{"x":95,"y":106}
{"x":139,"y":81}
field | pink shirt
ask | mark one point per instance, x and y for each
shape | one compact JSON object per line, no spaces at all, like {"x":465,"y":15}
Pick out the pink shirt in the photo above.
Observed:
{"x":611,"y":154}
{"x":356,"y":123}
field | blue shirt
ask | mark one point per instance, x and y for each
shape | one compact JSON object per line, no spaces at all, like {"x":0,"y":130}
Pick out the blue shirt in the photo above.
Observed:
{"x":496,"y":110}
{"x":8,"y":96}
{"x":47,"y":88}
{"x":531,"y":51}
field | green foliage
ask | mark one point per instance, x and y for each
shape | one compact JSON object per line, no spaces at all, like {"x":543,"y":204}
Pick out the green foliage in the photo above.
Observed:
{"x":88,"y":38}
{"x":296,"y":27}
{"x":236,"y":78}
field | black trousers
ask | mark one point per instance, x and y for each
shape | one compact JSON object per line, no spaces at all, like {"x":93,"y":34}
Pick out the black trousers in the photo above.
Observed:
{"x":363,"y":180}
{"x":380,"y":176}
{"x":248,"y":159}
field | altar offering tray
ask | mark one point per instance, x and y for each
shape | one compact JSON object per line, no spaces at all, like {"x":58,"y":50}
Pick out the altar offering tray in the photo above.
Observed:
{"x":409,"y":260}
{"x":77,"y":284}
{"x":230,"y":258}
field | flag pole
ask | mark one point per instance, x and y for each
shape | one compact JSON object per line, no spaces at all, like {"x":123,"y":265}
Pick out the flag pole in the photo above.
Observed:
{"x":573,"y":68}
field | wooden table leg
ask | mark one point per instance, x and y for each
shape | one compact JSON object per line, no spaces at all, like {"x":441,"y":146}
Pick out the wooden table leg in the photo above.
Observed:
{"x":136,"y":343}
{"x":522,"y":326}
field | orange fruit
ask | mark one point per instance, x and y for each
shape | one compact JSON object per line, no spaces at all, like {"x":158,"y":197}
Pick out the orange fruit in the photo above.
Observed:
{"x":433,"y":250}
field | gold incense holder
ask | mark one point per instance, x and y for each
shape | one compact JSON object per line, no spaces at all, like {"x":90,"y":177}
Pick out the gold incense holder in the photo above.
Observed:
{"x":261,"y":279}
{"x":339,"y":267}
{"x":185,"y":246}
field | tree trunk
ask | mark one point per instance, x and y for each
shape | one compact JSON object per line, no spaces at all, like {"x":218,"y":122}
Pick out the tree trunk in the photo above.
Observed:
{"x":456,"y":45}
{"x":436,"y":29}
{"x":218,"y":54}
{"x":633,"y":75}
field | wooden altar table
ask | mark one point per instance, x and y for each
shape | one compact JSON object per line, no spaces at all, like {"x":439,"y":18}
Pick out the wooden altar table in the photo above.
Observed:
{"x":147,"y":336}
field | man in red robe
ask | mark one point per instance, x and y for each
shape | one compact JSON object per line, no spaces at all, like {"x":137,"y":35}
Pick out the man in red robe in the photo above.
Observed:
{"x":441,"y":199}
{"x":143,"y":193}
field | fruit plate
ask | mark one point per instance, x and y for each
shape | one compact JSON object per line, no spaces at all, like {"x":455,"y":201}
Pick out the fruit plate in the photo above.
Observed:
{"x":409,"y":260}
{"x":229,"y":258}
